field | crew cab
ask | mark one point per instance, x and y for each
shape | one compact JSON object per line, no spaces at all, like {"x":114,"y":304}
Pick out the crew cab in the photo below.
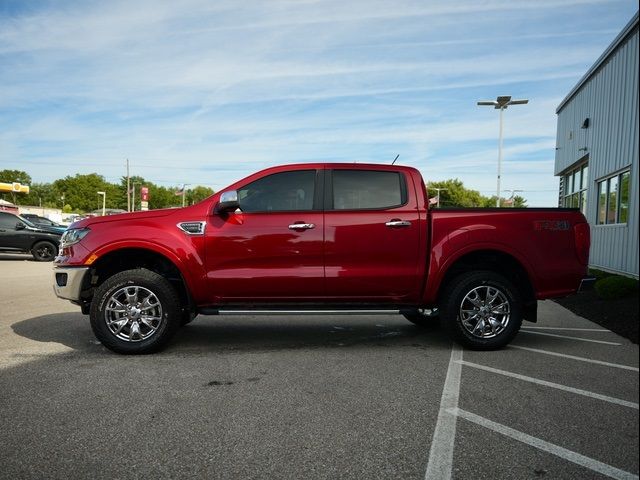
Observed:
{"x":321,"y":238}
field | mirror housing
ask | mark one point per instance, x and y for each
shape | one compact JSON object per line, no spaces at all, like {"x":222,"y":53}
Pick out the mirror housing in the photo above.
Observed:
{"x":228,"y":202}
{"x":20,"y":226}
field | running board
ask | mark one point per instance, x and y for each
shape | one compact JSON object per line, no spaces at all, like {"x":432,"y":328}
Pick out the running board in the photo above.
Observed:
{"x":227,"y":311}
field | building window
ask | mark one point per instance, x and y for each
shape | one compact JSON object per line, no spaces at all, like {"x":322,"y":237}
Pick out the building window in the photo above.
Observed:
{"x":613,"y":199}
{"x":574,"y":187}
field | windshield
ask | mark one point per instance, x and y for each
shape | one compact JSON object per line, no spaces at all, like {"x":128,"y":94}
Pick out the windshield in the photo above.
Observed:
{"x":26,"y":222}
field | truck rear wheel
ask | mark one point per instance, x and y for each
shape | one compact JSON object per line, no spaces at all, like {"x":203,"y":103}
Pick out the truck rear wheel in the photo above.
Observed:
{"x":135,"y":312}
{"x":482,"y":310}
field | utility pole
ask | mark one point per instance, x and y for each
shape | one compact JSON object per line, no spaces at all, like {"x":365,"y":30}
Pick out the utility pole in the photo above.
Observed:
{"x":128,"y":189}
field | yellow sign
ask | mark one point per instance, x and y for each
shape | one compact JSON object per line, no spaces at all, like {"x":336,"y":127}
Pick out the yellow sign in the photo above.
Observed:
{"x":14,"y":187}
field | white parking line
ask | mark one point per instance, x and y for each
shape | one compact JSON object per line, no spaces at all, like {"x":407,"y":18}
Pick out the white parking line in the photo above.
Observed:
{"x":573,"y":357}
{"x":571,"y":338}
{"x":572,"y":329}
{"x":577,"y":391}
{"x":551,"y":448}
{"x":440,"y":460}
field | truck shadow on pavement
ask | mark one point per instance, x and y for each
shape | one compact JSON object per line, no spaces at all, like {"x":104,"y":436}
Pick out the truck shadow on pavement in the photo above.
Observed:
{"x":216,"y":334}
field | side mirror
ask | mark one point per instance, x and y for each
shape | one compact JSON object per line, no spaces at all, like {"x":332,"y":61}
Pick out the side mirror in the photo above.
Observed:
{"x":20,"y":226}
{"x":228,"y":202}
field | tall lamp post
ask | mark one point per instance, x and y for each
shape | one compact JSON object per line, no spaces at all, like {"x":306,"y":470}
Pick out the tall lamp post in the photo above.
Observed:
{"x":501,"y":103}
{"x":184,"y":192}
{"x":104,"y":202}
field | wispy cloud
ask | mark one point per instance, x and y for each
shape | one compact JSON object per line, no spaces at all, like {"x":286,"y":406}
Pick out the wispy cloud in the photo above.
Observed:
{"x":222,"y":88}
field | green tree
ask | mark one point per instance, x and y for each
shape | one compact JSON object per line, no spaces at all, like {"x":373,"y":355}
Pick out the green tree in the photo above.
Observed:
{"x":454,"y":194}
{"x":159,"y":197}
{"x":11,"y":176}
{"x":197,"y":194}
{"x":42,"y":194}
{"x":81,"y":192}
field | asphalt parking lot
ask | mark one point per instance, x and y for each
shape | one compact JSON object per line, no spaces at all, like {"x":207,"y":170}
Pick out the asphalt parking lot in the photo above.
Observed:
{"x":308,"y":397}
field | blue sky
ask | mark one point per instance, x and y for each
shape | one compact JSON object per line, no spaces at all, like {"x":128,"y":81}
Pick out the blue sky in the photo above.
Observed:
{"x":203,"y":92}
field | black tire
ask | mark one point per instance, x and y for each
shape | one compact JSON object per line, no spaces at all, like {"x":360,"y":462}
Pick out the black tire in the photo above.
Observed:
{"x":152,"y":335}
{"x":479,"y":333}
{"x":44,"y":251}
{"x":421,"y":319}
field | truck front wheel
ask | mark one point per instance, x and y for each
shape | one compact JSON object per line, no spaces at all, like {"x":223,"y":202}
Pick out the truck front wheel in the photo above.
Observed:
{"x":482,"y":310}
{"x":135,"y":312}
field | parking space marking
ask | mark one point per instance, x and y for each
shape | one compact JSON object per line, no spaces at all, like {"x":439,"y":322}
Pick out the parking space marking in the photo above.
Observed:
{"x":440,"y":461}
{"x":545,"y":446}
{"x":557,"y":386}
{"x":573,"y":357}
{"x":570,"y":328}
{"x":572,"y":338}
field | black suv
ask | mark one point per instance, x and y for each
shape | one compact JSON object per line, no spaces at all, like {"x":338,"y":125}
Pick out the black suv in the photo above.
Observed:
{"x":18,"y":234}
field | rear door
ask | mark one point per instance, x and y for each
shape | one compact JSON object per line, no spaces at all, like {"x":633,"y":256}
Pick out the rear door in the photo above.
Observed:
{"x":270,"y":250}
{"x":371,"y":236}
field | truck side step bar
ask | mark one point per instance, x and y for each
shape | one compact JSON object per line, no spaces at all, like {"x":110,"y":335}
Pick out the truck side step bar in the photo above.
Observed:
{"x":310,"y":311}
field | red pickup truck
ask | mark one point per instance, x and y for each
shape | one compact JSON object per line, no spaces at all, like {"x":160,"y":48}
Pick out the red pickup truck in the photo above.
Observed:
{"x":321,"y":238}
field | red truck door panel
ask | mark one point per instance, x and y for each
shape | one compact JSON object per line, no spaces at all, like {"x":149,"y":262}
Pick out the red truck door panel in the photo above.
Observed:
{"x":272,"y":250}
{"x":371,"y":236}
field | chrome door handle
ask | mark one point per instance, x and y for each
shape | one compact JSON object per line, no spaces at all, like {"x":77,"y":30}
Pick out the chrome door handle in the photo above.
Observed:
{"x":398,"y":223}
{"x":301,"y":226}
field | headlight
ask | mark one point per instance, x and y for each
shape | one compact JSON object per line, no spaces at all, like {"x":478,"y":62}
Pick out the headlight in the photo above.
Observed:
{"x":73,"y":236}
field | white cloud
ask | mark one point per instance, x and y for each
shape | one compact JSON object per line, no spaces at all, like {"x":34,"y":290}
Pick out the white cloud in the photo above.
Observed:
{"x":222,"y":88}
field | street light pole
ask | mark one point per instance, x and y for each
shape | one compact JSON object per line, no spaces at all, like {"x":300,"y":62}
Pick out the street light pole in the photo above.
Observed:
{"x":501,"y":103}
{"x":184,"y":192}
{"x":133,"y":196}
{"x":104,"y":202}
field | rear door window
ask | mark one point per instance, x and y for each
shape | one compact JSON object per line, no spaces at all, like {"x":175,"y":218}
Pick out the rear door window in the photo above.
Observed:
{"x":367,"y":190}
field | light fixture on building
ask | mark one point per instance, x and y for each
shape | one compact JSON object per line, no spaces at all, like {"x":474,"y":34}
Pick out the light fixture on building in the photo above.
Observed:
{"x":585,"y":124}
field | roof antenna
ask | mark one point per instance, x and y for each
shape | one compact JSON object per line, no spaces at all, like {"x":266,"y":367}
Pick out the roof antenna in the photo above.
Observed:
{"x":394,"y":160}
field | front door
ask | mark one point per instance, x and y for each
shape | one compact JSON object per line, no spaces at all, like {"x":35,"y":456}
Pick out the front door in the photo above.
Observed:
{"x":12,"y":237}
{"x":271,"y":249}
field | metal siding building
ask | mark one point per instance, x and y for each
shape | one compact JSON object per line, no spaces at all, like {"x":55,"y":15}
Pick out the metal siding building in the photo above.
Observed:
{"x":597,"y":153}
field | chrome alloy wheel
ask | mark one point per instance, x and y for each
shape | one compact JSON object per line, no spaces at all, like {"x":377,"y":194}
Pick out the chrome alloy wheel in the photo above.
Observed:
{"x":133,"y":313}
{"x":485,"y":312}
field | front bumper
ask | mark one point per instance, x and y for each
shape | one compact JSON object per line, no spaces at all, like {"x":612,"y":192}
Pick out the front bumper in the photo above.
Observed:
{"x":68,"y":281}
{"x":587,"y":283}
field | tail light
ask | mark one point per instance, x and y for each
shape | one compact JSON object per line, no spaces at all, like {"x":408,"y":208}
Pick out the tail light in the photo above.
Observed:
{"x":582,"y":238}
